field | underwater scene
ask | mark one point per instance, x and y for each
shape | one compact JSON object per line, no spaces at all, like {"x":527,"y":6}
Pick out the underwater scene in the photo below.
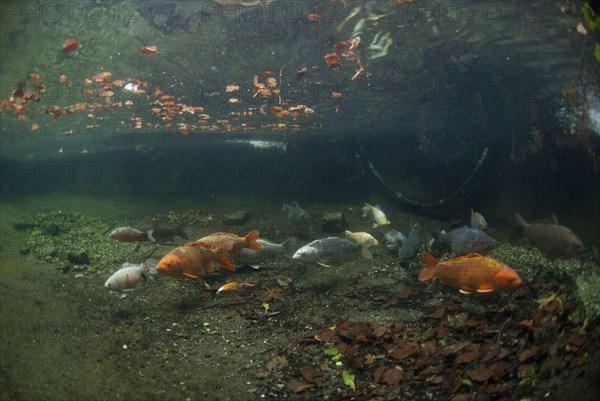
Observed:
{"x":300,"y":199}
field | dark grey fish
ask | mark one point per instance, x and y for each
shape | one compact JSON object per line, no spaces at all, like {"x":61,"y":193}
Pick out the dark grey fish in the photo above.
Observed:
{"x":393,"y":239}
{"x":269,"y":250}
{"x":167,"y":234}
{"x":410,"y":247}
{"x":295,"y":213}
{"x":553,"y":240}
{"x":462,"y":241}
{"x":331,"y":249}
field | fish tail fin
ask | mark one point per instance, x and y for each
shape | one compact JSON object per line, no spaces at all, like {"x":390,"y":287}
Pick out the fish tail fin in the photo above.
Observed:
{"x":150,"y":266}
{"x":251,"y":238}
{"x":223,"y":256}
{"x":150,"y":237}
{"x":429,"y":270}
{"x":289,"y":246}
{"x":366,"y":209}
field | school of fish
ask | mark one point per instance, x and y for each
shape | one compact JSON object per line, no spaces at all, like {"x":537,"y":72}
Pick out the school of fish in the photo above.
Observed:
{"x":469,"y":271}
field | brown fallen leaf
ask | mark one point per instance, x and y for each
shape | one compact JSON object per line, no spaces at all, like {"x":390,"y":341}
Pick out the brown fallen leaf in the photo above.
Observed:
{"x":497,"y":370}
{"x":308,"y":374}
{"x":277,"y":362}
{"x":393,"y":376}
{"x":380,"y":331}
{"x":480,"y":374}
{"x":467,"y":357}
{"x":403,"y":352}
{"x":528,"y":354}
{"x":438,"y":313}
{"x":297,"y":386}
{"x":405,"y":293}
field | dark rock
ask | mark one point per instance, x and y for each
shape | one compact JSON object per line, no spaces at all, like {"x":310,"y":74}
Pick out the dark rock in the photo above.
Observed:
{"x":236,"y":218}
{"x":79,"y":258}
{"x":24,"y":225}
{"x":333,"y":222}
{"x":54,"y":229}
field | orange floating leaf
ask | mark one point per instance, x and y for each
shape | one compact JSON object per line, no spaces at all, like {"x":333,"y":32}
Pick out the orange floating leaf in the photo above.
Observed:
{"x":63,"y":78}
{"x":336,"y":95}
{"x":332,"y":58}
{"x":35,"y":126}
{"x":69,"y":45}
{"x":313,"y":17}
{"x":271,"y":82}
{"x":149,"y":50}
{"x":34,"y":76}
{"x":341,"y":46}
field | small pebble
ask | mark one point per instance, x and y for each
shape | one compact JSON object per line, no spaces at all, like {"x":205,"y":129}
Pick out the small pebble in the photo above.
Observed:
{"x":125,"y":346}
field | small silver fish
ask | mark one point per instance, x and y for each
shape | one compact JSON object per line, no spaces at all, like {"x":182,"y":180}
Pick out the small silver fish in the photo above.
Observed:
{"x":478,"y":221}
{"x":331,"y":249}
{"x":295,"y":213}
{"x":131,"y":276}
{"x":393,"y":239}
{"x":268,"y":250}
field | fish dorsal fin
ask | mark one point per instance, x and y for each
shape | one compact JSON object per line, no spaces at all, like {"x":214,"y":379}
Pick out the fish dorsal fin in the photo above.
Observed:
{"x":463,"y":291}
{"x":226,"y":234}
{"x":322,"y":264}
{"x":485,"y":290}
{"x":469,"y":256}
{"x":198,"y":243}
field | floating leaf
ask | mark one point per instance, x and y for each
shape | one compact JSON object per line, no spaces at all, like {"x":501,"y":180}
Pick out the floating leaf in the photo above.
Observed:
{"x":348,"y":378}
{"x":333,"y":351}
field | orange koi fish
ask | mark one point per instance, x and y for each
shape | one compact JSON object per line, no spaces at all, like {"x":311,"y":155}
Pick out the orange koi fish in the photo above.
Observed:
{"x":195,"y":259}
{"x":471,"y":273}
{"x":238,"y":243}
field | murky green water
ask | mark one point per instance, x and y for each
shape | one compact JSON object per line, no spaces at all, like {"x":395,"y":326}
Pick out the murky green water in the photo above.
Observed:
{"x":427,"y":108}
